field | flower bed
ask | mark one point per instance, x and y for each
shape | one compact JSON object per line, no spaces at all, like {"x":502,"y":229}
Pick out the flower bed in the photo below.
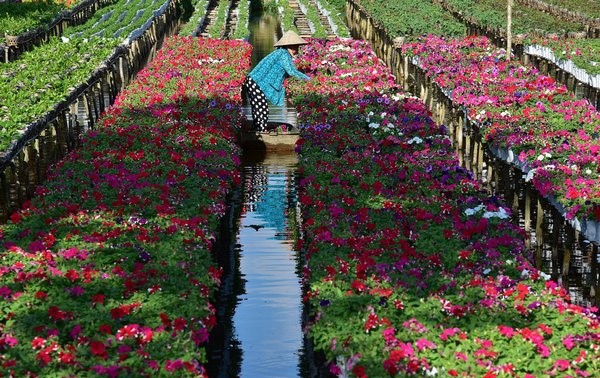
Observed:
{"x":552,"y":134}
{"x":411,"y":268}
{"x":583,"y":54}
{"x":108,"y":271}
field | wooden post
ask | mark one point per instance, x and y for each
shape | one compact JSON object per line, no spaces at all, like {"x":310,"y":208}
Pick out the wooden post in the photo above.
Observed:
{"x":539,"y":233}
{"x":509,"y":30}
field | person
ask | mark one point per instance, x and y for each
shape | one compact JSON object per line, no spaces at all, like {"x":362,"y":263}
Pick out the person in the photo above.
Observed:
{"x":264,"y":84}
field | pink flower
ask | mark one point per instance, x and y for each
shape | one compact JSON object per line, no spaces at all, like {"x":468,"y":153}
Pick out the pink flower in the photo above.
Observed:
{"x":424,"y":344}
{"x":562,"y":365}
{"x":568,"y":342}
{"x":449,"y":332}
{"x":461,"y":356}
{"x":172,"y":365}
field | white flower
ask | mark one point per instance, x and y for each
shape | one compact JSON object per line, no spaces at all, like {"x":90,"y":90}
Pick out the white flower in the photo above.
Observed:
{"x":525,"y":273}
{"x":416,"y":140}
{"x":487,"y":271}
{"x":502,"y":214}
{"x":545,"y":276}
{"x":588,"y":171}
{"x":541,"y":157}
{"x":431,"y":373}
{"x":64,"y":39}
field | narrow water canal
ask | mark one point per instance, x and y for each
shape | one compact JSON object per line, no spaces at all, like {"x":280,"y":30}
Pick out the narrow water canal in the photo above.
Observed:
{"x":259,"y":332}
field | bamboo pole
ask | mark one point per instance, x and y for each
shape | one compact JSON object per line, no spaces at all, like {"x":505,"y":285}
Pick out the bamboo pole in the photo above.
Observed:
{"x":509,"y":30}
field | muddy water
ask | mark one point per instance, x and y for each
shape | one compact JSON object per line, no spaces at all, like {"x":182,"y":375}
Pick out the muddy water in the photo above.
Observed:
{"x":260,"y":304}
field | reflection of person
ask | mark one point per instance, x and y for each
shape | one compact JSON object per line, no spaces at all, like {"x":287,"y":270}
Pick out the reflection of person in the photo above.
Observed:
{"x":264,"y":84}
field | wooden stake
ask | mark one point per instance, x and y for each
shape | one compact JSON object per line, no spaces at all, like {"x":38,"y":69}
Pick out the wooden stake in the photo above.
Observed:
{"x":508,"y":30}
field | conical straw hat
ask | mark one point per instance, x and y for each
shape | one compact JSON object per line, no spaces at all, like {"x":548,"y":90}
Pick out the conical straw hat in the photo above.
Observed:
{"x":290,"y":39}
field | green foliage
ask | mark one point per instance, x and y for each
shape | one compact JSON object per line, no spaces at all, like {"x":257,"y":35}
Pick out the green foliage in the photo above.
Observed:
{"x":118,"y":20}
{"x":196,"y":17}
{"x":589,"y":8}
{"x":412,"y":18}
{"x":18,"y":18}
{"x":525,"y":20}
{"x":33,"y":85}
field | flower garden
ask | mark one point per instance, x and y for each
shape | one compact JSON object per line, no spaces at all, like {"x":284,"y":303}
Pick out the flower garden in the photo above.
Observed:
{"x":411,"y":268}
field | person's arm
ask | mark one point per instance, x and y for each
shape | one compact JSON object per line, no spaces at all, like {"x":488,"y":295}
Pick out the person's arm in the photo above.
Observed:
{"x":288,"y":65}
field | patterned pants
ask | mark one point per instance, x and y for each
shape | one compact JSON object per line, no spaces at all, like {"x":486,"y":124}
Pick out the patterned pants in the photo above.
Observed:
{"x":258,"y":103}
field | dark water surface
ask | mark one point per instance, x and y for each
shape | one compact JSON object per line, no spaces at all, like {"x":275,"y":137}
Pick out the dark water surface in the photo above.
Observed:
{"x":259,"y":332}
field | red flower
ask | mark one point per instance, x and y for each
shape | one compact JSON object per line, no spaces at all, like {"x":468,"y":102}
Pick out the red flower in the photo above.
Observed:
{"x":16,"y":217}
{"x":57,"y":314}
{"x":38,"y":342}
{"x":66,"y":358}
{"x":358,"y":286}
{"x":98,"y":299}
{"x":180,"y":323}
{"x":97,"y":348}
{"x":72,"y":274}
{"x":359,"y":371}
{"x":165,"y":319}
{"x":41,"y":295}
{"x":105,"y":328}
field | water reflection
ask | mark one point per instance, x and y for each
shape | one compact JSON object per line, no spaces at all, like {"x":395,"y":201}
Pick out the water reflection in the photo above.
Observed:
{"x":265,"y":30}
{"x":260,"y":310}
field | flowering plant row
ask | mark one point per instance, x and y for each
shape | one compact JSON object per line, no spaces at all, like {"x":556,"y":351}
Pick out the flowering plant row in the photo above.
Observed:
{"x":108,"y":271}
{"x":411,"y":267}
{"x":553,"y":134}
{"x":584,"y":52}
{"x":488,"y":14}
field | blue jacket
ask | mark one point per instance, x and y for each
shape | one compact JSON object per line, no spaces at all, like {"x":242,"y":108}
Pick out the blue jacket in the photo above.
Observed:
{"x":270,"y":73}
